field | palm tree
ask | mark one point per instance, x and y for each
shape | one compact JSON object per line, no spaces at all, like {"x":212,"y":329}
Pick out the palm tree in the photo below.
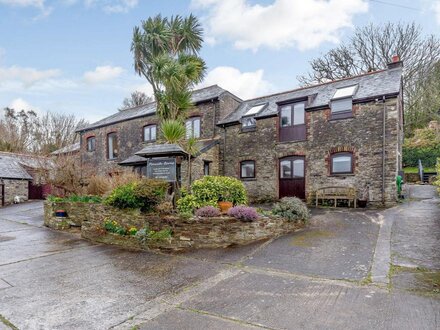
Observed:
{"x":166,"y":53}
{"x":173,"y":131}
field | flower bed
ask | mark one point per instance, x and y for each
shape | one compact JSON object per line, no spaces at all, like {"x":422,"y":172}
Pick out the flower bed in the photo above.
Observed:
{"x":185,"y":233}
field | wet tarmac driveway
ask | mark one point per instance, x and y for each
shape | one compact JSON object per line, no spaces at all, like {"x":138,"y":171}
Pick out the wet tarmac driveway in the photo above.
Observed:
{"x":323,"y":277}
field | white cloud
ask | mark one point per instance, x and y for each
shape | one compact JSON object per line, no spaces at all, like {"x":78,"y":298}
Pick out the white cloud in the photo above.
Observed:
{"x":23,"y":3}
{"x":20,"y":104}
{"x":102,"y":73}
{"x":245,"y":85}
{"x":26,"y":76}
{"x":283,"y":23}
{"x":436,"y":8}
{"x":40,"y":4}
{"x":113,"y":6}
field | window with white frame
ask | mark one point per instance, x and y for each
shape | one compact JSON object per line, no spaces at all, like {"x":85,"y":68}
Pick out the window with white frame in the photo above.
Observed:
{"x":193,"y":127}
{"x":150,"y":133}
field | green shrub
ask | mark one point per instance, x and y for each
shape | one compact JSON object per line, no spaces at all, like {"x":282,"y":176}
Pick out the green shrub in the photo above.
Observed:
{"x":209,"y":190}
{"x":76,"y":198}
{"x":151,"y":191}
{"x":219,"y":188}
{"x":437,"y":181}
{"x":428,"y":156}
{"x":145,"y":235}
{"x":114,"y":227}
{"x":143,"y":194}
{"x":291,"y":208}
{"x":124,"y":197}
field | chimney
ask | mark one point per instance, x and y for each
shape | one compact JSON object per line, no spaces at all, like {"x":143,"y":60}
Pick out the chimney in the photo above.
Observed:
{"x":395,"y":62}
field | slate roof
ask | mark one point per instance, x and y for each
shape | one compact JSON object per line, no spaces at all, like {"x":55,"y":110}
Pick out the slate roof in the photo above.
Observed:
{"x":166,"y":149}
{"x":29,"y":160}
{"x":199,"y":95}
{"x":370,"y":85}
{"x":133,"y":160}
{"x":67,"y":149}
{"x":10,"y":168}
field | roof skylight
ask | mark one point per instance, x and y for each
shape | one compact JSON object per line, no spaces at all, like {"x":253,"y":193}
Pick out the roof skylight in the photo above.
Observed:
{"x":345,"y":92}
{"x":255,"y":109}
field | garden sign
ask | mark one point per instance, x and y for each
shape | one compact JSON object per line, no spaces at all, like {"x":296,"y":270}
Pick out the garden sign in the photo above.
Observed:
{"x":162,"y":168}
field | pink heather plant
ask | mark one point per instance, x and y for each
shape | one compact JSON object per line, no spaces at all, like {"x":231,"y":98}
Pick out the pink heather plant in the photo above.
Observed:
{"x":208,"y":212}
{"x":243,"y":213}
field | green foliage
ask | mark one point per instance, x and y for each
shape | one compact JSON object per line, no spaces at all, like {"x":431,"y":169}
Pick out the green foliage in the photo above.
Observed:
{"x":143,"y":194}
{"x":166,"y":53}
{"x":437,"y":181}
{"x":146,"y":235}
{"x":428,"y":156}
{"x":173,"y":131}
{"x":292,"y":209}
{"x":424,"y":145}
{"x":124,"y":197}
{"x":210,"y":190}
{"x":76,"y":198}
{"x":114,"y":227}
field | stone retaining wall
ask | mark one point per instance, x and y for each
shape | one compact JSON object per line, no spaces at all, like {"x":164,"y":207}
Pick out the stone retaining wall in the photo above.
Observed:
{"x":190,"y":233}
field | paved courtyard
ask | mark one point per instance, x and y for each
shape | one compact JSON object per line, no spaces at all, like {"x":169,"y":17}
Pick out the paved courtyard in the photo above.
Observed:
{"x":353,"y":269}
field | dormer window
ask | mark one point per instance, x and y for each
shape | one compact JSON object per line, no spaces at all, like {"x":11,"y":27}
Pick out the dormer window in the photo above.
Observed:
{"x":248,"y":121}
{"x":342,"y":102}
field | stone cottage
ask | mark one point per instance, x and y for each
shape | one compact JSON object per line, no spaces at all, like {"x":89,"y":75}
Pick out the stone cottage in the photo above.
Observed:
{"x":23,"y":175}
{"x":346,"y":133}
{"x":130,"y":138}
{"x":341,"y":133}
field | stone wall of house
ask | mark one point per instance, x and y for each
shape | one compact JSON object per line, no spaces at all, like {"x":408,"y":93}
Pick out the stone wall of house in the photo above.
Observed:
{"x":190,"y":233}
{"x":130,"y":135}
{"x":15,"y":188}
{"x":197,"y":164}
{"x":361,"y":135}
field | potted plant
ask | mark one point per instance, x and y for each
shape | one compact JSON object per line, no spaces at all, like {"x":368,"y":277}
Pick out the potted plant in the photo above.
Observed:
{"x":224,"y":202}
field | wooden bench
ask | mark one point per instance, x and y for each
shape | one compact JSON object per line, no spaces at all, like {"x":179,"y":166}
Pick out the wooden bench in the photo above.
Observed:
{"x":335,"y":193}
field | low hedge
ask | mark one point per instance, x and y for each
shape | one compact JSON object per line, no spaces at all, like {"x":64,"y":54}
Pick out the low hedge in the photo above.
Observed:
{"x":428,"y":156}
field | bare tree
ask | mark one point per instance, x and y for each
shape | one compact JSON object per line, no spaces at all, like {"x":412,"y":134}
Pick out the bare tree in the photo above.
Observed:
{"x":17,"y":129}
{"x":23,"y":131}
{"x":371,"y":48}
{"x":136,"y":99}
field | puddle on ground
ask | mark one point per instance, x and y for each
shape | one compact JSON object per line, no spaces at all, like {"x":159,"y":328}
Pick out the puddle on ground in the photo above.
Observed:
{"x":6,"y":238}
{"x":308,"y":238}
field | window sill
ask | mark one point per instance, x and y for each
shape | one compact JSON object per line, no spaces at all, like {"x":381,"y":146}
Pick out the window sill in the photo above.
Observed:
{"x":342,"y":175}
{"x":342,"y":118}
{"x":246,"y":130}
{"x":112,"y":159}
{"x":248,"y":179}
{"x":293,"y":141}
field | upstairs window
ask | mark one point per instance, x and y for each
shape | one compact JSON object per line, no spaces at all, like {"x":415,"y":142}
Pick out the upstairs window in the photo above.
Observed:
{"x":150,"y":133}
{"x":342,"y":102}
{"x":193,"y":127}
{"x":293,"y":122}
{"x":248,"y":123}
{"x":247,"y":169}
{"x":91,"y":144}
{"x":112,"y":146}
{"x":342,"y":163}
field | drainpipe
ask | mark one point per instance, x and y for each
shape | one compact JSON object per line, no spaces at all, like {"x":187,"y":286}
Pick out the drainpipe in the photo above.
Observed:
{"x":214,"y":118}
{"x":224,"y":149}
{"x":383,"y":148}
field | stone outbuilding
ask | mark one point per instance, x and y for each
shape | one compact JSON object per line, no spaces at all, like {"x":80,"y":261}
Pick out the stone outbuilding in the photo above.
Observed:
{"x":22,"y":175}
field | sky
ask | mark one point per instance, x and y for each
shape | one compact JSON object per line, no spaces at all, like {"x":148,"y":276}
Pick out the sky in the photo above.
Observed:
{"x":73,"y":56}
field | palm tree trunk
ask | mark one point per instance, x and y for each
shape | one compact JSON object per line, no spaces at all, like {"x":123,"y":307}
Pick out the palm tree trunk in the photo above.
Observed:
{"x":189,"y":171}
